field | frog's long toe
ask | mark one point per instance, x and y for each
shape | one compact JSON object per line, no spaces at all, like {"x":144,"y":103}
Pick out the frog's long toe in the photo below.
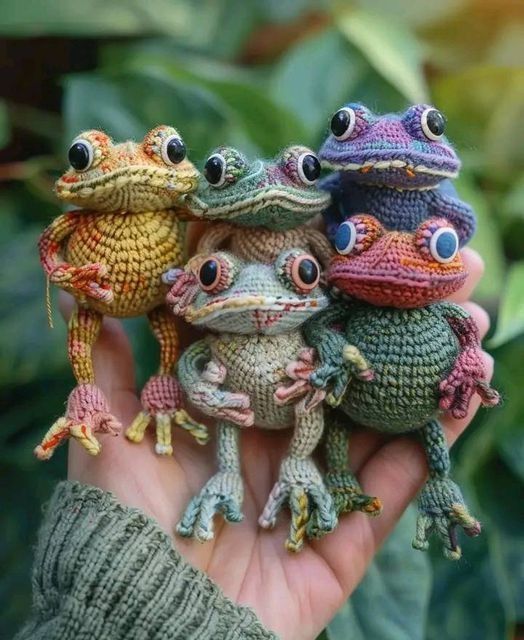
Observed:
{"x":348,"y":496}
{"x":223,"y":494}
{"x":442,"y":511}
{"x":163,"y":405}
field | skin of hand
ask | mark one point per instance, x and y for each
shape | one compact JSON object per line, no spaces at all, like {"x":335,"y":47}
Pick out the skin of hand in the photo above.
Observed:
{"x":295,"y":595}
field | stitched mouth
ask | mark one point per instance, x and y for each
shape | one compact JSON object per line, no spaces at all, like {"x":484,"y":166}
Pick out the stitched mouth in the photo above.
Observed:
{"x":257,"y":304}
{"x":415,"y":166}
{"x":146,"y":177}
{"x":419,"y":281}
{"x":292,"y":200}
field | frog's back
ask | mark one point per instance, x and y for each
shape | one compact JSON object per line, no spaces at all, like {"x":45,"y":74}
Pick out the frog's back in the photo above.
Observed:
{"x":137,"y":247}
{"x":410,"y":351}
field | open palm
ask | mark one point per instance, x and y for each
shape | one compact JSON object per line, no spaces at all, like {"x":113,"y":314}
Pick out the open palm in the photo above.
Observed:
{"x":295,"y":595}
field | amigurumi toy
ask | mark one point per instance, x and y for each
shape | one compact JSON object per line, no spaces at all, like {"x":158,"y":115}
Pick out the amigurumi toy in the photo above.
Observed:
{"x":264,"y":205}
{"x":110,"y":256}
{"x":425,"y":355}
{"x":255,"y":312}
{"x":396,"y":167}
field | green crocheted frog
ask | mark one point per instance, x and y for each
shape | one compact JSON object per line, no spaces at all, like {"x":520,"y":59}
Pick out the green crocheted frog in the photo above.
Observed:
{"x":425,"y":355}
{"x":255,"y":312}
{"x":264,"y":205}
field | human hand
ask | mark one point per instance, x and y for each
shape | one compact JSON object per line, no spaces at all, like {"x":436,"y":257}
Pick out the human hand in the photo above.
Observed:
{"x":295,"y":595}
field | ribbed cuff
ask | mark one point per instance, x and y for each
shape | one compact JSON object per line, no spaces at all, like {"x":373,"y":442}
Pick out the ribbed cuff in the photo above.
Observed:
{"x":106,"y":571}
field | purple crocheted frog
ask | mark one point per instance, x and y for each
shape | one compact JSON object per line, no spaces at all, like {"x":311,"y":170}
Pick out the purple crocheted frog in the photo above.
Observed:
{"x":396,"y":167}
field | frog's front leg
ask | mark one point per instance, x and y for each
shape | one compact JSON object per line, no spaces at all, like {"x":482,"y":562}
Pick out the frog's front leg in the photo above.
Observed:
{"x":340,"y":481}
{"x":441,"y":505}
{"x":87,"y":408}
{"x":468,"y":375}
{"x":162,"y":398}
{"x":300,"y":483}
{"x":223,"y":493}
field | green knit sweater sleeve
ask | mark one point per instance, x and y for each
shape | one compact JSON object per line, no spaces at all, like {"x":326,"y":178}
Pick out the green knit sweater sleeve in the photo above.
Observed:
{"x":103,"y":570}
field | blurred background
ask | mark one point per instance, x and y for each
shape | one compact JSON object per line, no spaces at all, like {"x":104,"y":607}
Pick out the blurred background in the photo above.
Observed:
{"x":260,"y":75}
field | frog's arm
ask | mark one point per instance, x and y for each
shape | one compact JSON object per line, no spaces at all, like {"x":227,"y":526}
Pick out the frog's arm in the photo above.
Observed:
{"x":446,"y":204}
{"x":214,"y":237}
{"x":333,"y":214}
{"x":201,"y":377}
{"x":84,"y":281}
{"x":339,"y":360}
{"x":468,"y":375}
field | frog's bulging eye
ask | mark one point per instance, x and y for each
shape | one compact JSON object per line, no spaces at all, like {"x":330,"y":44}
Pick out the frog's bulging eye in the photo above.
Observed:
{"x":81,"y":154}
{"x":173,"y":150}
{"x":215,"y":170}
{"x":444,"y":244}
{"x":215,"y":273}
{"x":433,"y":123}
{"x":209,"y":274}
{"x":298,"y":270}
{"x":345,"y":238}
{"x":308,"y":168}
{"x":343,"y":123}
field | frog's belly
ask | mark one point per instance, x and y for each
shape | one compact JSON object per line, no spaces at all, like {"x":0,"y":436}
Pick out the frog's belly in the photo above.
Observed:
{"x":256,"y":366}
{"x":410,"y":351}
{"x":137,"y":248}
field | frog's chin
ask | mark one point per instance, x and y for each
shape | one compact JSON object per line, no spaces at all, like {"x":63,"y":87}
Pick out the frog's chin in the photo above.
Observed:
{"x":255,"y":314}
{"x":272,"y":197}
{"x":400,"y":291}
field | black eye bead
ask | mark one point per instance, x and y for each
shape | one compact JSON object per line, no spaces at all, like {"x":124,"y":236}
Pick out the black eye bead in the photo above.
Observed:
{"x":308,"y":271}
{"x":309,"y":168}
{"x":175,"y":150}
{"x":80,"y":155}
{"x":209,"y":272}
{"x":433,"y":124}
{"x":215,"y":170}
{"x":343,"y":123}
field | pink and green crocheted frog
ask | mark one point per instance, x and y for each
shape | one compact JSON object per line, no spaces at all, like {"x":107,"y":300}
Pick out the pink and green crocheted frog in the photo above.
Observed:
{"x":424,"y":354}
{"x":396,"y":167}
{"x":110,"y":255}
{"x":254,"y":313}
{"x":262,"y":205}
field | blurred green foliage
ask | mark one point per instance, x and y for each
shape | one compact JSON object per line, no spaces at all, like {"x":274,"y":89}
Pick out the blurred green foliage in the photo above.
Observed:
{"x":261,"y":74}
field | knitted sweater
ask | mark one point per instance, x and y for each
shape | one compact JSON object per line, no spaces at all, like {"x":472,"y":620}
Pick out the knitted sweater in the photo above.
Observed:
{"x":103,"y":570}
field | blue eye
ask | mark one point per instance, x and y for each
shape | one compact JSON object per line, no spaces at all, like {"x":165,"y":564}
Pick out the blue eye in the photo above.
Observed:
{"x":444,"y":244}
{"x":345,"y":238}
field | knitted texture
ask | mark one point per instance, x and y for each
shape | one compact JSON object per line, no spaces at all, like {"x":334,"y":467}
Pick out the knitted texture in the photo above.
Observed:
{"x":111,"y":255}
{"x":393,"y":167}
{"x":425,"y":356}
{"x":256,"y":311}
{"x":103,"y":570}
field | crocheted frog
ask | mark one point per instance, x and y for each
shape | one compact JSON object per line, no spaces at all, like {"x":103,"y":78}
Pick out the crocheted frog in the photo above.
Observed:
{"x":396,"y":167}
{"x":264,"y":204}
{"x":255,"y":312}
{"x":425,"y":355}
{"x":110,"y":256}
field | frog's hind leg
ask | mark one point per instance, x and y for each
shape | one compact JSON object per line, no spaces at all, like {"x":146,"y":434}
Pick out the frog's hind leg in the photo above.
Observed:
{"x":87,"y":408}
{"x":300,"y":483}
{"x":223,"y":493}
{"x":441,"y":505}
{"x":162,"y":397}
{"x":341,"y":482}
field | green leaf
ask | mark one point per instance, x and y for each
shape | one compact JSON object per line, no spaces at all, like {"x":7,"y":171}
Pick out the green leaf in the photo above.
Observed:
{"x":391,"y":602}
{"x":511,"y":316}
{"x":317,"y":76}
{"x":388,"y":46}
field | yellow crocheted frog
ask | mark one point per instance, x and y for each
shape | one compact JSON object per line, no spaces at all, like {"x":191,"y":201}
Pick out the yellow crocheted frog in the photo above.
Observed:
{"x":110,"y":255}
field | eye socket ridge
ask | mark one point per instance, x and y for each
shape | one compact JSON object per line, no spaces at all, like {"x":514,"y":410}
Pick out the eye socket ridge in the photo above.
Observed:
{"x":444,"y":244}
{"x":81,"y":154}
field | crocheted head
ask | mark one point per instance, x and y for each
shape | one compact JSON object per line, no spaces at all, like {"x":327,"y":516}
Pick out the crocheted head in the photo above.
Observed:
{"x":277,"y":194}
{"x":403,"y":150}
{"x":133,"y":177}
{"x":395,"y":268}
{"x":227,"y":295}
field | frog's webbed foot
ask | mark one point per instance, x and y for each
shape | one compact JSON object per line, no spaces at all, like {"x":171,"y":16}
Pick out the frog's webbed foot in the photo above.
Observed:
{"x":348,"y":496}
{"x":162,"y":404}
{"x":300,"y":485}
{"x":87,"y":413}
{"x":223,"y":494}
{"x":442,"y":510}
